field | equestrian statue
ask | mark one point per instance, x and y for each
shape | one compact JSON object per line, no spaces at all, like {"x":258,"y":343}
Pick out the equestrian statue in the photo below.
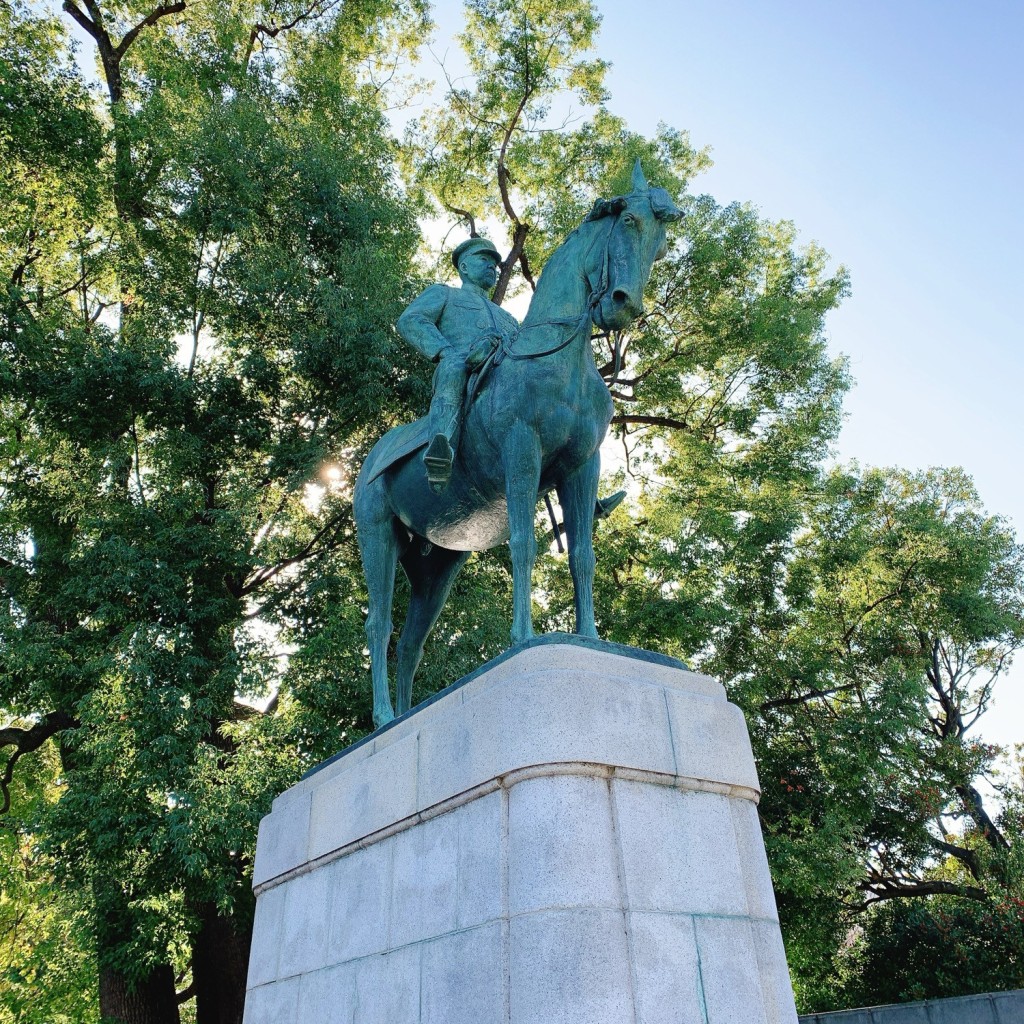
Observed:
{"x":518,"y":410}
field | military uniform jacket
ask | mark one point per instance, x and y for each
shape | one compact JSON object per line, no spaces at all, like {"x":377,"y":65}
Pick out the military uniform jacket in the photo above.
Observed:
{"x":455,"y":317}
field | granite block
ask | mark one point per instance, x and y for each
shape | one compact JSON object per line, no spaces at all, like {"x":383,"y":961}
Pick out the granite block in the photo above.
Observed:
{"x":306,"y":924}
{"x":729,"y":971}
{"x":267,"y":932}
{"x":424,"y":890}
{"x":710,"y":740}
{"x":374,"y":794}
{"x":569,"y":967}
{"x":757,"y":878}
{"x":388,"y":988}
{"x":283,"y":838}
{"x":562,"y":850}
{"x":277,"y":1003}
{"x":667,"y":976}
{"x":360,"y":884}
{"x":480,"y":869}
{"x":679,"y":850}
{"x":328,"y":996}
{"x":776,"y":985}
{"x":462,"y":979}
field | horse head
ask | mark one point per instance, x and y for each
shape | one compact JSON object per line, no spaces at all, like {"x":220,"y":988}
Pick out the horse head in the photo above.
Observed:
{"x":636,"y":238}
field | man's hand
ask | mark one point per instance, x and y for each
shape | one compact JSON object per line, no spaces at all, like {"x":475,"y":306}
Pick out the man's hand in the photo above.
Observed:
{"x":481,"y":350}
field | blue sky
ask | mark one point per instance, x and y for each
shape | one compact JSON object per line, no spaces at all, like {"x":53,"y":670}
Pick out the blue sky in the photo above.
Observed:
{"x":892,"y":134}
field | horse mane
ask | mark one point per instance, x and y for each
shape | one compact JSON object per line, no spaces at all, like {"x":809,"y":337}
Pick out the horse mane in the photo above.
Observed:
{"x":661,"y":205}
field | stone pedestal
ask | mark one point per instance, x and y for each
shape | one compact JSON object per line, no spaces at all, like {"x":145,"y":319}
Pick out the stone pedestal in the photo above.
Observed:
{"x":568,"y":836}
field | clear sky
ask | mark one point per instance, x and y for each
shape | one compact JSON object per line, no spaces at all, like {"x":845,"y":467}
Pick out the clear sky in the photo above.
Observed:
{"x":891,"y":133}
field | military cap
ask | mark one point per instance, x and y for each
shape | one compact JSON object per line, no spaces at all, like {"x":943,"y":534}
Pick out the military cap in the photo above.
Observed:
{"x":471,"y":245}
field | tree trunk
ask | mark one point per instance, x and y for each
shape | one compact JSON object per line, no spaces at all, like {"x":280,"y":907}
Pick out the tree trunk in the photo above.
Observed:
{"x":149,"y":1001}
{"x":220,"y":963}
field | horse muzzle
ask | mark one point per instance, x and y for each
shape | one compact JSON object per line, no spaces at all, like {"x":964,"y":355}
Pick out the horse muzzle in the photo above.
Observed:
{"x":617,"y":309}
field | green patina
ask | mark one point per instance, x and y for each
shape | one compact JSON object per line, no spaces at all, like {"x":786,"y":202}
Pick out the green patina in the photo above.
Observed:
{"x":516,"y":413}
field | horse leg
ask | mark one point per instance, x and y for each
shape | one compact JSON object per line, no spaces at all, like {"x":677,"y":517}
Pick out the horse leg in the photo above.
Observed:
{"x":577,"y":494}
{"x":521,"y":459}
{"x":379,"y":540}
{"x":430,"y":579}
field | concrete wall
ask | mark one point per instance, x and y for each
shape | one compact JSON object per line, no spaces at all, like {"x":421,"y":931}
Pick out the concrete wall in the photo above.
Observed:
{"x":991,"y":1008}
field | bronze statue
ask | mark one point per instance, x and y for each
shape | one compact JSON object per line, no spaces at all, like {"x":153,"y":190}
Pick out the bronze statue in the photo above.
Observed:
{"x":458,"y":328}
{"x":536,"y":413}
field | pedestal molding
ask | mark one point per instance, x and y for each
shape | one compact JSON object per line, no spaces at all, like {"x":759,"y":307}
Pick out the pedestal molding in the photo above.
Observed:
{"x":507,"y":781}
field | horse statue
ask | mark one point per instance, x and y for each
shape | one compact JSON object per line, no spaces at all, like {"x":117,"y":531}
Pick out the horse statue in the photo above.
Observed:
{"x":537,"y":414}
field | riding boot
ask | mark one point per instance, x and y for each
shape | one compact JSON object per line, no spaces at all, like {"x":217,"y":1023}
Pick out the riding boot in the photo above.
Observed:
{"x":444,"y":420}
{"x":605,"y":506}
{"x":438,"y":459}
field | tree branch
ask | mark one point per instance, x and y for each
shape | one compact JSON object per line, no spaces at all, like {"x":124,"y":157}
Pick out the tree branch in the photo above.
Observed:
{"x":975,"y":807}
{"x":261,"y":576}
{"x":462,"y":215}
{"x":25,"y":741}
{"x":966,"y":857}
{"x":891,"y":888}
{"x":651,"y":421}
{"x":803,"y":698}
{"x":150,"y":19}
{"x":90,"y":26}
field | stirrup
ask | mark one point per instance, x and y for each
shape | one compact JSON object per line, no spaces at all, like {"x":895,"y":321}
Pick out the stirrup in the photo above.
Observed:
{"x":438,"y":460}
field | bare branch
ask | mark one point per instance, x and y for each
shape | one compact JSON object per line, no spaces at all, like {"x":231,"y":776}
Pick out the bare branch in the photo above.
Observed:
{"x":891,"y":888}
{"x":261,"y":576}
{"x":90,"y":26}
{"x":803,"y":698}
{"x":463,"y":215}
{"x":315,"y":10}
{"x":975,"y":807}
{"x":651,"y":421}
{"x":966,"y":857}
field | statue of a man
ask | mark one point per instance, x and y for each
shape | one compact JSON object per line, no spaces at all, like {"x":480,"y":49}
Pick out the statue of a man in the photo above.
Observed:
{"x":457,"y":328}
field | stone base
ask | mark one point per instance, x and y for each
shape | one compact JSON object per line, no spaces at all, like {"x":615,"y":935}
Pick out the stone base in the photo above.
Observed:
{"x":568,"y":836}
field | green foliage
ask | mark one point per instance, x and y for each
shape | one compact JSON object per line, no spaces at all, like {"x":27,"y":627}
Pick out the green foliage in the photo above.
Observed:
{"x":47,"y":968}
{"x":900,"y":606}
{"x":935,"y":949}
{"x":500,"y":145}
{"x":202,"y":272}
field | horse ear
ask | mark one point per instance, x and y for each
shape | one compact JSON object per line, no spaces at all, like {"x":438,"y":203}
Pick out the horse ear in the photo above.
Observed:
{"x":607,"y":208}
{"x":639,"y":181}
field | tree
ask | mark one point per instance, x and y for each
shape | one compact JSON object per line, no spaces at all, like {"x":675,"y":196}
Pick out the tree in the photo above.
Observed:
{"x":187,"y":259}
{"x":193,"y":369}
{"x":48,"y":971}
{"x":901,"y":606}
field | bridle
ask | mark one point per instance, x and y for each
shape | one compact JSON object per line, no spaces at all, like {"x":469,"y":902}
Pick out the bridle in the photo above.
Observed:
{"x":576,"y":323}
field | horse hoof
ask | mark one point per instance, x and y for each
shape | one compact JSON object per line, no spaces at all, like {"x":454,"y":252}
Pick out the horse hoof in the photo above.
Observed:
{"x":381,"y":717}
